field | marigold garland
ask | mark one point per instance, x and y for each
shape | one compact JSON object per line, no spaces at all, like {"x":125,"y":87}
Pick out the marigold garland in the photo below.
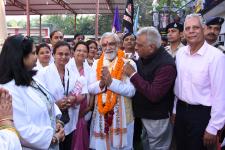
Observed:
{"x":116,"y":73}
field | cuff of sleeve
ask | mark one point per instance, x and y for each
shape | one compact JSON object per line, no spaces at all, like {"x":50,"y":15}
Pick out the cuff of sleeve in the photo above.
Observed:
{"x":133,"y":74}
{"x":134,"y":77}
{"x":211,"y":130}
{"x":113,"y":84}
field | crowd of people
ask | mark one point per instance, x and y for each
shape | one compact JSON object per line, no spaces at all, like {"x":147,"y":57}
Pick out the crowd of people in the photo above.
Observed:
{"x":124,"y":92}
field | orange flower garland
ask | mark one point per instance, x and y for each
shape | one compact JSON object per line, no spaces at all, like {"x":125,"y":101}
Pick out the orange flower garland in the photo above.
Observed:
{"x":116,"y":73}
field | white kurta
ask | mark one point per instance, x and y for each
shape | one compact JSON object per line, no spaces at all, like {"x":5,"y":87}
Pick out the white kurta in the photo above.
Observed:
{"x":49,"y":76}
{"x":31,"y":116}
{"x":85,"y":80}
{"x":9,"y":140}
{"x":98,"y":139}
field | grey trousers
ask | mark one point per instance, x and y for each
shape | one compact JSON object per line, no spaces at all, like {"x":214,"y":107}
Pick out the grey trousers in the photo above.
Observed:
{"x":157,"y":134}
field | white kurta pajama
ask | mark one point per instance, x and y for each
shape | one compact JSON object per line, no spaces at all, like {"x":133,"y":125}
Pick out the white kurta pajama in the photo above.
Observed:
{"x":121,"y":132}
{"x":33,"y":119}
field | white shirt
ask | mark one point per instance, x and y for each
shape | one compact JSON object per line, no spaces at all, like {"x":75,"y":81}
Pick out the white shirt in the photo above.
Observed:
{"x":201,"y":81}
{"x":9,"y":140}
{"x":31,"y":116}
{"x":50,"y":78}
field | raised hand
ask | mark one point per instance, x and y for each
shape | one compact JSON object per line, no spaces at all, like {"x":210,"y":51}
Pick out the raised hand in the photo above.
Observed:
{"x":128,"y":69}
{"x":5,"y":104}
{"x":106,"y":76}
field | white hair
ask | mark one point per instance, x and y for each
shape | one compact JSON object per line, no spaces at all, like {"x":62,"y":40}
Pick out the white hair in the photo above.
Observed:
{"x":110,"y":34}
{"x":152,"y":35}
{"x":199,"y":16}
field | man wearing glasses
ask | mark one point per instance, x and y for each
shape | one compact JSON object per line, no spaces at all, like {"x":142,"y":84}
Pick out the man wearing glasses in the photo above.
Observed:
{"x":112,"y":121}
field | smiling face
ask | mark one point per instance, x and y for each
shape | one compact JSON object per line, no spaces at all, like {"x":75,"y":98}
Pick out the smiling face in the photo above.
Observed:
{"x":109,"y":47}
{"x":44,"y":55}
{"x":144,"y":49}
{"x":62,"y":55}
{"x":80,"y":53}
{"x":193,"y":31}
{"x":92,"y":50}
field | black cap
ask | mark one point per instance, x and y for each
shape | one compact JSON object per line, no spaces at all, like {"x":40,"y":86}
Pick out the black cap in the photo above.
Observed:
{"x":175,"y":25}
{"x":214,"y":21}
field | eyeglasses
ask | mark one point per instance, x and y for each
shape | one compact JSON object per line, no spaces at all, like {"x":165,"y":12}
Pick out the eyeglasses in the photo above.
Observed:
{"x":110,"y":44}
{"x":60,"y":54}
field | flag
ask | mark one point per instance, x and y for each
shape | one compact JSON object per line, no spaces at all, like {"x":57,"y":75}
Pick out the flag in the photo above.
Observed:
{"x":199,"y":6}
{"x":3,"y":28}
{"x":116,"y":21}
{"x":136,"y":21}
{"x":128,"y":17}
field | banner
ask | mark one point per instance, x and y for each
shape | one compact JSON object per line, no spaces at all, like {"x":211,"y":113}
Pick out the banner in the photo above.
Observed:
{"x":128,"y":17}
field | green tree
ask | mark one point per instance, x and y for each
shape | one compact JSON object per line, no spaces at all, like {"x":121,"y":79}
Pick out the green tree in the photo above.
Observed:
{"x":12,"y":23}
{"x":60,"y":22}
{"x":105,"y":23}
{"x":86,"y":25}
{"x":145,"y":9}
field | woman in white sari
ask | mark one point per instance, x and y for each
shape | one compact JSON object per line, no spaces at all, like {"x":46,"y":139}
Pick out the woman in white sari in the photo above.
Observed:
{"x":34,"y":112}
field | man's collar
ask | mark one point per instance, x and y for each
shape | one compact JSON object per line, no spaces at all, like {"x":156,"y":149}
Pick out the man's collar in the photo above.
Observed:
{"x":200,"y":51}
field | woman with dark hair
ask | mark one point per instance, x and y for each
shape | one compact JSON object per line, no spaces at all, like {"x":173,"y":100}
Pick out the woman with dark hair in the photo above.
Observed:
{"x":43,"y":54}
{"x":34,"y":112}
{"x":60,"y":82}
{"x":93,"y":49}
{"x":82,"y":72}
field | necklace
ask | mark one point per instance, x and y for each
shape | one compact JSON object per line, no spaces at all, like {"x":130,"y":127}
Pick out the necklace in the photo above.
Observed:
{"x":116,"y":73}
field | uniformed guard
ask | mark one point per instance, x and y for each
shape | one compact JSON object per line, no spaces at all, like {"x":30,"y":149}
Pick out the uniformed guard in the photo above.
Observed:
{"x":212,"y":31}
{"x":174,"y":35}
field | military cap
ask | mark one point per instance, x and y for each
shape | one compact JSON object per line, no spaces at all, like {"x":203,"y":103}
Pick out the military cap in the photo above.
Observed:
{"x":175,"y":25}
{"x":214,"y":21}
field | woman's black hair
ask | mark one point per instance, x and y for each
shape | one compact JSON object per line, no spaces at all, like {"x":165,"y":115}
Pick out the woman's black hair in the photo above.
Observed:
{"x":14,"y":50}
{"x":89,"y":42}
{"x":59,"y":44}
{"x":40,"y":46}
{"x":81,"y":43}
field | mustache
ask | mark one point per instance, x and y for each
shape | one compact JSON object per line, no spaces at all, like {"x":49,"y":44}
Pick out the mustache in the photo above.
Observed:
{"x":211,"y":34}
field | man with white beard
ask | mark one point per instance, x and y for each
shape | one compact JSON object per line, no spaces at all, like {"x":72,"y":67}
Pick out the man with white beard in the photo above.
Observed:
{"x":112,"y":122}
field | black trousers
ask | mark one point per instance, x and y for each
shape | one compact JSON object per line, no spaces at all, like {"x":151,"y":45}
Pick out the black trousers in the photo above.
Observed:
{"x":137,"y":143}
{"x":67,"y":143}
{"x":190,"y":124}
